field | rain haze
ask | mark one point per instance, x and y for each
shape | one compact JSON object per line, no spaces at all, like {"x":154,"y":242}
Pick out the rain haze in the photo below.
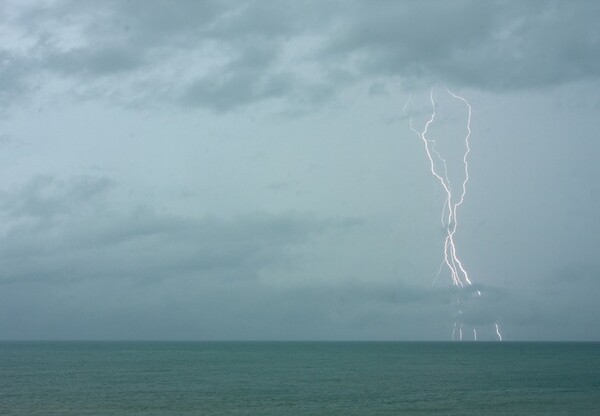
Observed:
{"x":225,"y":170}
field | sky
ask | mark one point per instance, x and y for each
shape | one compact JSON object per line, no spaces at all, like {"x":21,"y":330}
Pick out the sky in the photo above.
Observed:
{"x":226,"y":170}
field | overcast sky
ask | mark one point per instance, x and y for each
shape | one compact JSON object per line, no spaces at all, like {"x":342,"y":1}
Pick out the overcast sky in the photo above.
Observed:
{"x":244,"y":170}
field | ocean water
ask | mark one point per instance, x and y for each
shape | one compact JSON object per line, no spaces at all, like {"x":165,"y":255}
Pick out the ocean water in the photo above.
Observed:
{"x":299,"y":378}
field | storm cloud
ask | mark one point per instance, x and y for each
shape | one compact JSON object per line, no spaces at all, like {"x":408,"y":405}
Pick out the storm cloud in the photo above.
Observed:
{"x":64,"y":230}
{"x":245,"y":170}
{"x":220,"y":55}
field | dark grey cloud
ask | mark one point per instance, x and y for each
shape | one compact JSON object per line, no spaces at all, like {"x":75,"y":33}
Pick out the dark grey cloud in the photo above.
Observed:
{"x":44,"y":197}
{"x":195,"y":309}
{"x":74,"y":265}
{"x":245,"y":79}
{"x":499,"y":45}
{"x":16,"y":80}
{"x":146,"y":48}
{"x":150,"y":49}
{"x":108,"y":60}
{"x":62,"y":230}
{"x":195,"y":306}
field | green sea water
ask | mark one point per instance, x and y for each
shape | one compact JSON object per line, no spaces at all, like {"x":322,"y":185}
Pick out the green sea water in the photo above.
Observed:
{"x":299,"y":378}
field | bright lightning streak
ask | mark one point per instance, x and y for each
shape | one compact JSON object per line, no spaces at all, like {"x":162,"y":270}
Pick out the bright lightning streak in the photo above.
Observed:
{"x":459,"y":275}
{"x":449,"y":219}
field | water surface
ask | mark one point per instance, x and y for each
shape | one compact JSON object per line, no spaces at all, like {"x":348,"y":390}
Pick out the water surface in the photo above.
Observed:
{"x":299,"y":378}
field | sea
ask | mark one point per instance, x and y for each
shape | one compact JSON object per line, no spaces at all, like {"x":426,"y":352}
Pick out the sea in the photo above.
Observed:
{"x":299,"y":378}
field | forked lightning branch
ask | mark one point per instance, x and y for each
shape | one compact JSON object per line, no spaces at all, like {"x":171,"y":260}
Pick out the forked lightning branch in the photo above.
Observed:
{"x":439,"y":170}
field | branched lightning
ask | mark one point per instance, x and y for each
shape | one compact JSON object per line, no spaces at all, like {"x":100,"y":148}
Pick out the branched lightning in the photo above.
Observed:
{"x":459,"y":275}
{"x":452,"y":202}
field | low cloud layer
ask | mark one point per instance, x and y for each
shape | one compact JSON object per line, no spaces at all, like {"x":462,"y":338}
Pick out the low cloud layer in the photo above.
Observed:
{"x":63,"y":230}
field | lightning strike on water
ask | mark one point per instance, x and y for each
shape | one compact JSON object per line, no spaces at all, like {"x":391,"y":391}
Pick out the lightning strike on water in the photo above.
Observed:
{"x":449,"y":217}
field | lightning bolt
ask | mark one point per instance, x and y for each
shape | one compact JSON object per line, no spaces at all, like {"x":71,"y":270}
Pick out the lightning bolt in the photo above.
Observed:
{"x":452,"y":202}
{"x":459,"y":275}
